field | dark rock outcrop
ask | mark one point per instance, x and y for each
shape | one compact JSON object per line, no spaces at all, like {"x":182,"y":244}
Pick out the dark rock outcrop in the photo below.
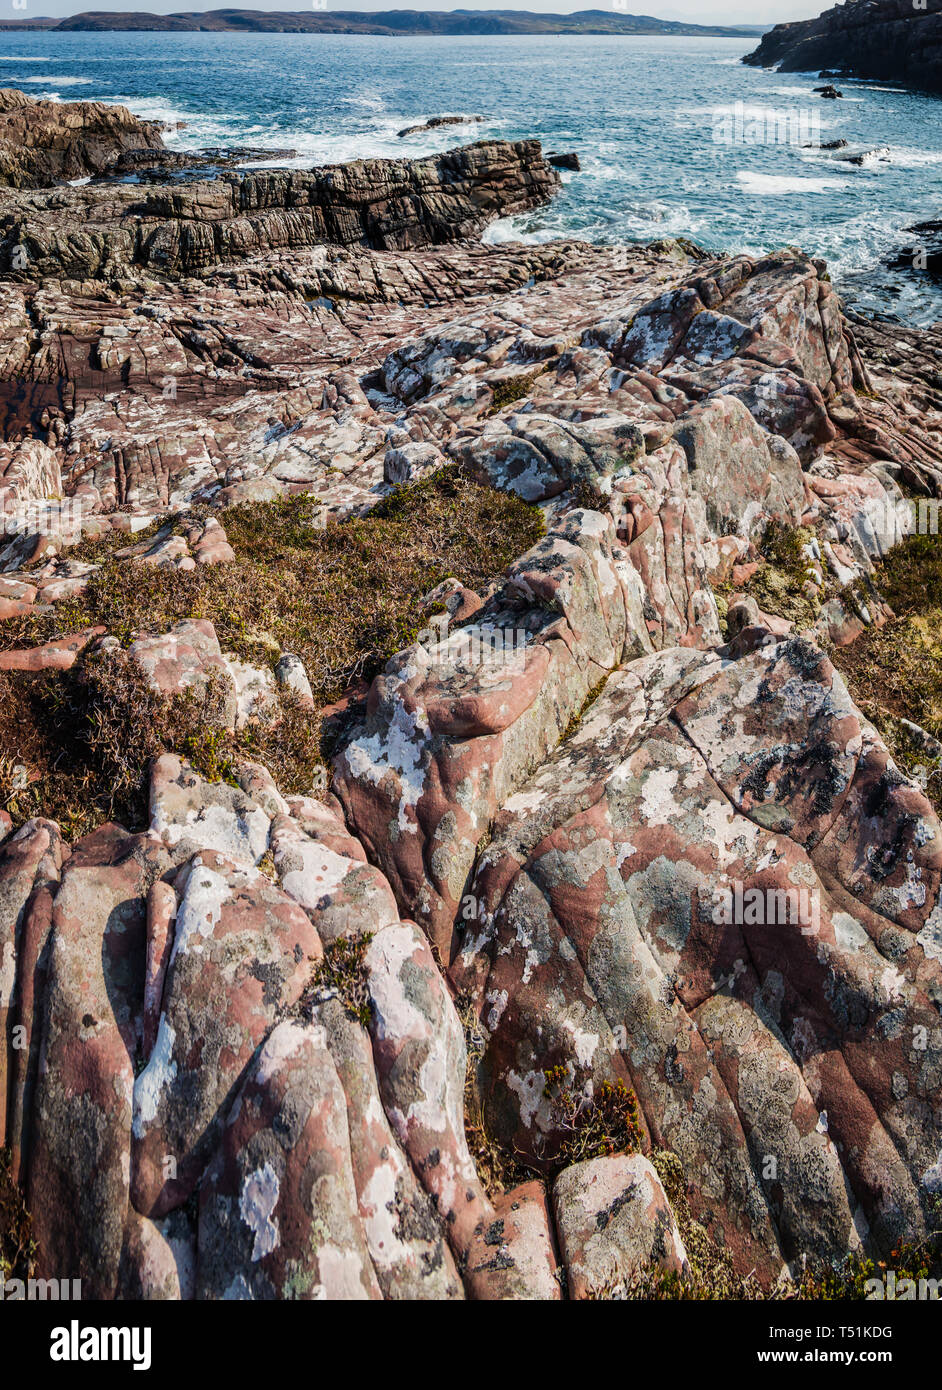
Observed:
{"x":45,"y":142}
{"x":434,"y":122}
{"x":89,"y":232}
{"x":891,"y":40}
{"x":161,"y":166}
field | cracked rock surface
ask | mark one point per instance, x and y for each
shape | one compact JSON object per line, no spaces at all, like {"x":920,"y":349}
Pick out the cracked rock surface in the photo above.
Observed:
{"x":240,"y":1050}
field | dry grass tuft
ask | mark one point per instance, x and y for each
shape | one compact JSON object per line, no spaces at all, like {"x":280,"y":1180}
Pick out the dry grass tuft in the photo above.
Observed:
{"x":76,"y":746}
{"x":344,"y":598}
{"x":17,"y":1247}
{"x":894,"y":672}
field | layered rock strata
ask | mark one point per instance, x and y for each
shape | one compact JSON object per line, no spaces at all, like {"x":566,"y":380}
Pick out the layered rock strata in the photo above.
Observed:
{"x":544,"y":822}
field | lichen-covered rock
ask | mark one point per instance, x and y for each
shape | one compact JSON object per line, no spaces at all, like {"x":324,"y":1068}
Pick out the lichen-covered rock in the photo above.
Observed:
{"x":451,"y":730}
{"x":241,"y":956}
{"x":764,"y":483}
{"x":419,"y":1050}
{"x":343,"y":895}
{"x":149,"y":1268}
{"x":188,"y":657}
{"x":539,"y":456}
{"x":614,"y":1222}
{"x":81,"y":1126}
{"x":278,"y":1206}
{"x":189,"y":813}
{"x":400,"y":1220}
{"x":681,"y":894}
{"x":514,"y":1257}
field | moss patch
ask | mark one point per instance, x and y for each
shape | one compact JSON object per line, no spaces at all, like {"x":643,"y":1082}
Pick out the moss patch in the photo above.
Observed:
{"x":780,"y":584}
{"x":341,"y":973}
{"x":590,"y":699}
{"x":513,"y":388}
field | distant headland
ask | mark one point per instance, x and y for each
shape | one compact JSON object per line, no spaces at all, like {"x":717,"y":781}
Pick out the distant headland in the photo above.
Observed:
{"x":390,"y":22}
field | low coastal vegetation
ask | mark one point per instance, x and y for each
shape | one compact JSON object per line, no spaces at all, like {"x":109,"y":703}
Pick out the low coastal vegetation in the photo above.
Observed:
{"x":894,"y":672}
{"x":783,"y":584}
{"x":341,"y":973}
{"x":712,"y":1276}
{"x":344,"y":598}
{"x":17,"y":1247}
{"x":785,"y":574}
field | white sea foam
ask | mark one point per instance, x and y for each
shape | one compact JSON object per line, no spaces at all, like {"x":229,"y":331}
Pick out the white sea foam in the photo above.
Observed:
{"x":774,"y":185}
{"x":59,"y":81}
{"x":910,"y":157}
{"x":509,"y":229}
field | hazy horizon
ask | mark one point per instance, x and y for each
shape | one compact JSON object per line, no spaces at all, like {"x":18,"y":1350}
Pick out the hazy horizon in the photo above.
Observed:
{"x":688,"y":11}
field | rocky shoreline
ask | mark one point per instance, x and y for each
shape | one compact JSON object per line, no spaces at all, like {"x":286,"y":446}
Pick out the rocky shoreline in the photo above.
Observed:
{"x":885,"y":40}
{"x":460,"y":1017}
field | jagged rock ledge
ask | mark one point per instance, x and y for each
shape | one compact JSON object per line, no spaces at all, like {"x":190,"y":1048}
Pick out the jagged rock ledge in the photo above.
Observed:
{"x":46,"y":142}
{"x":503,"y":915}
{"x":104,"y":232}
{"x":889,"y":40}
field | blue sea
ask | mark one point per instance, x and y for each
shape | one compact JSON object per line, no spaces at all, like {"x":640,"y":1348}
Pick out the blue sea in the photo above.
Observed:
{"x":665,"y":148}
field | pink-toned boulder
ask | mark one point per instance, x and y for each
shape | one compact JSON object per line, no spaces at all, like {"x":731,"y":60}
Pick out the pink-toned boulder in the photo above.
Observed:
{"x":58,"y":655}
{"x":515,"y":1256}
{"x":614,"y":1222}
{"x":242,"y":954}
{"x":79,"y":1159}
{"x":401,"y":1224}
{"x":190,"y":814}
{"x":343,"y":896}
{"x":420,"y":1057}
{"x":188,"y":657}
{"x":149,"y":1269}
{"x":278,"y":1206}
{"x":29,"y":860}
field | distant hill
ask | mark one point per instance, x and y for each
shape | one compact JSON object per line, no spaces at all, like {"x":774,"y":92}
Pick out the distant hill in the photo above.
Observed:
{"x":40,"y":22}
{"x":392,"y":22}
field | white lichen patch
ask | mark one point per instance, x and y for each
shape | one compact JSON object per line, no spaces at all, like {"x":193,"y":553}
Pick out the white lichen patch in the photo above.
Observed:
{"x":399,"y":751}
{"x":154,"y":1080}
{"x":257,"y":1204}
{"x":200,"y":910}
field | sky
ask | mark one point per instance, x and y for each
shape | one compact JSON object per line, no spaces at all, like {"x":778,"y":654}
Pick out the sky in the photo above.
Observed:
{"x":695,"y":11}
